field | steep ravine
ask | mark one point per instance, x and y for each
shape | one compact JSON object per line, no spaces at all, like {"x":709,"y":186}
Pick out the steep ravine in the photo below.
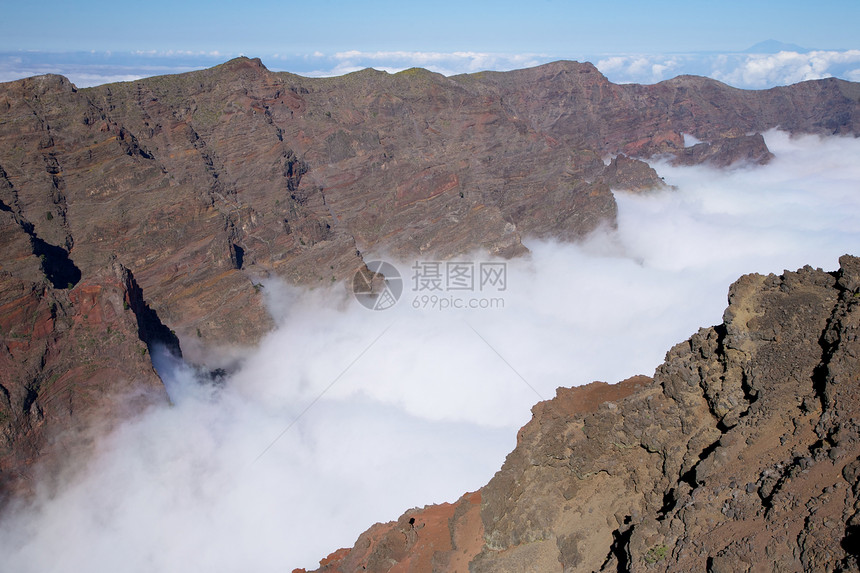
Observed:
{"x":742,"y":453}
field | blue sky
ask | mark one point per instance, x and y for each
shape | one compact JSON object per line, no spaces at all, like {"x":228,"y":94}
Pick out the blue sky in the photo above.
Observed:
{"x":444,"y":25}
{"x":126,"y":40}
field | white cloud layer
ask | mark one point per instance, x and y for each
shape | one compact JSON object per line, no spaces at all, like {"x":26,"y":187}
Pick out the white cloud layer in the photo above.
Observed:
{"x":763,"y":70}
{"x":381,"y":411}
{"x":752,"y":71}
{"x":638,"y":68}
{"x":445,"y":63}
{"x":87,"y":69}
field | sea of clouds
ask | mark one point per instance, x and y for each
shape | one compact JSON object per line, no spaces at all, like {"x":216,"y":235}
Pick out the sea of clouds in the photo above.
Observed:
{"x":345,"y":416}
{"x":742,"y":70}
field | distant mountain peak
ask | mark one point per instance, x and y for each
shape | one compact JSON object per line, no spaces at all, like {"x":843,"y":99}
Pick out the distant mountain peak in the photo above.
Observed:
{"x":774,"y":47}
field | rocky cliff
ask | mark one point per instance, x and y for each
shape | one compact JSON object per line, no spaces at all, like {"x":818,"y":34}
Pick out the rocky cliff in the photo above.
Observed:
{"x":73,"y":361}
{"x":203,"y":182}
{"x":742,"y":453}
{"x":148,"y":211}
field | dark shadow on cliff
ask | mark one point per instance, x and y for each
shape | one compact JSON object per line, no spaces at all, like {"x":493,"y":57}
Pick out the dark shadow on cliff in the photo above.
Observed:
{"x":150,"y":329}
{"x":56,"y":264}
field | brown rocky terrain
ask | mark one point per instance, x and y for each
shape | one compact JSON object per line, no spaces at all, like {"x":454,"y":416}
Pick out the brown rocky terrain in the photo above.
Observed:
{"x":741,"y":454}
{"x":202,"y":183}
{"x":149,"y":211}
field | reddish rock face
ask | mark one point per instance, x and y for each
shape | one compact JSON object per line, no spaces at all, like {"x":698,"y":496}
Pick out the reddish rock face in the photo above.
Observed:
{"x":441,"y":537}
{"x":70,"y":360}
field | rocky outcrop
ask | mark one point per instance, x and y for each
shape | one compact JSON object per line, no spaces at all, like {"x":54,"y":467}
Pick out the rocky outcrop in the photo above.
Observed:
{"x":632,"y":175}
{"x":741,"y":454}
{"x":743,"y":150}
{"x":437,"y":538}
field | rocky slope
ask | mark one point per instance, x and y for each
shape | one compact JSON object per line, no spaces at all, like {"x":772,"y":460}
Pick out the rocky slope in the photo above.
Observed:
{"x":154,"y":207}
{"x":741,"y":454}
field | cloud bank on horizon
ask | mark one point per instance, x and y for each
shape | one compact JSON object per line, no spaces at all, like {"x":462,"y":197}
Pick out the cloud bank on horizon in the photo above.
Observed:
{"x":360,"y":415}
{"x":771,"y":65}
{"x":741,"y":70}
